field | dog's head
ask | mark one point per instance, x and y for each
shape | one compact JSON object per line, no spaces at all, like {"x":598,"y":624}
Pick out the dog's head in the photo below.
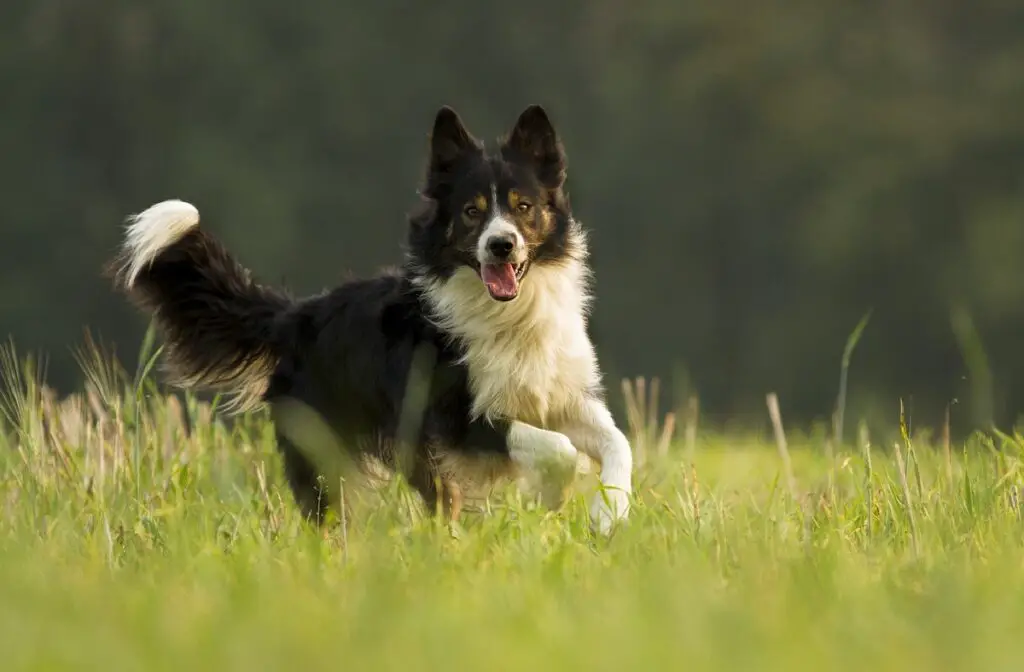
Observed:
{"x":498,"y":213}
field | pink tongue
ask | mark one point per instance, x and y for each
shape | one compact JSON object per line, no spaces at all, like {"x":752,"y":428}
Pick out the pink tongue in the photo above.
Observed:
{"x":500,"y":280}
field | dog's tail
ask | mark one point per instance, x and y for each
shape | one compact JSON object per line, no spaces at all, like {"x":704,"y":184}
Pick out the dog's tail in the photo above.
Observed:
{"x":222,"y":330}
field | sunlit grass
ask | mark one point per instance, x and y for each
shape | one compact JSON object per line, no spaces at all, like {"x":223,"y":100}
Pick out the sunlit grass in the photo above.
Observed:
{"x":141,"y":532}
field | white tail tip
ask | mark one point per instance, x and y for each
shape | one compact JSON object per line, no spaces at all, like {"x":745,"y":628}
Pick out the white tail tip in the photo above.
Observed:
{"x":152,"y":231}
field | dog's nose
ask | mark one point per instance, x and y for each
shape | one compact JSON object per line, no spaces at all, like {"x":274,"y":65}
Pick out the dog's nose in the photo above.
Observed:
{"x":500,"y":246}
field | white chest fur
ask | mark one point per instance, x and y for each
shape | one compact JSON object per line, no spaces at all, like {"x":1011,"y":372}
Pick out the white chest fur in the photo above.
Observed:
{"x":529,"y":359}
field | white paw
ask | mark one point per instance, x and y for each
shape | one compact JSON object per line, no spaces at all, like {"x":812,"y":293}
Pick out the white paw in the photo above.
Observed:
{"x":547,"y":460}
{"x":558,"y":461}
{"x":609,"y":508}
{"x":555,"y":471}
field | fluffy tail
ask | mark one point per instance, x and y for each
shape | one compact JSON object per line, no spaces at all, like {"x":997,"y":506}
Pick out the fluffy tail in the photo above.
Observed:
{"x":222,"y":331}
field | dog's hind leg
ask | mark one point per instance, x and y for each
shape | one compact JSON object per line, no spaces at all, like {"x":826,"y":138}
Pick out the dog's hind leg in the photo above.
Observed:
{"x":441,"y":494}
{"x":308,"y":488}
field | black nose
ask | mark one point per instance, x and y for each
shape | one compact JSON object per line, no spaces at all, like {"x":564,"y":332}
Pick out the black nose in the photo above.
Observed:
{"x":500,"y":246}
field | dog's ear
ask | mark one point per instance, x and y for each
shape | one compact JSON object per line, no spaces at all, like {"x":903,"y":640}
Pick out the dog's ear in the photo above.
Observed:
{"x":533,"y":138}
{"x":449,"y":141}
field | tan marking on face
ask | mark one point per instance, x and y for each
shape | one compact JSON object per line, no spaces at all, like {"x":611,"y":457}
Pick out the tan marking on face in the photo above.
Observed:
{"x":513,"y":200}
{"x":469,"y":221}
{"x":547,"y":221}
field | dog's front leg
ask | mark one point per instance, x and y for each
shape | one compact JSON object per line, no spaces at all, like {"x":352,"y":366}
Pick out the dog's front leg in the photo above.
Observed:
{"x":547,"y":456}
{"x":593,"y":431}
{"x":540,"y":456}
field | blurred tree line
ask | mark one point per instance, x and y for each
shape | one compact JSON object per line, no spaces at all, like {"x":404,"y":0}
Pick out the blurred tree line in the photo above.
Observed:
{"x":756,"y":177}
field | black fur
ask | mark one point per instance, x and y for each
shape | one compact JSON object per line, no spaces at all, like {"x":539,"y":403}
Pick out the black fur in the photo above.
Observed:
{"x":348,"y":354}
{"x":220,"y":327}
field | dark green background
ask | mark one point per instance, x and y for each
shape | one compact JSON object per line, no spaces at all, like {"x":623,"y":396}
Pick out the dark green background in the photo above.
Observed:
{"x":756,"y":176}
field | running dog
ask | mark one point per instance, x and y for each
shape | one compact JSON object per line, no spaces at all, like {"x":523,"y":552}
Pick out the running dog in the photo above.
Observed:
{"x":488,"y":311}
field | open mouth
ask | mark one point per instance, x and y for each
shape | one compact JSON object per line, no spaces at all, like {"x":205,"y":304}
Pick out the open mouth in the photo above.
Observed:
{"x":502,"y":280}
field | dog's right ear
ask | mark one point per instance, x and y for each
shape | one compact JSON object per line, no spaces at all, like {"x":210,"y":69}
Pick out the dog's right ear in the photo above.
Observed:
{"x":449,"y":141}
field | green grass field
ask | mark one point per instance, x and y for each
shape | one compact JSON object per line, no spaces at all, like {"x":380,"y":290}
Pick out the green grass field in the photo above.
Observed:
{"x":129,"y":542}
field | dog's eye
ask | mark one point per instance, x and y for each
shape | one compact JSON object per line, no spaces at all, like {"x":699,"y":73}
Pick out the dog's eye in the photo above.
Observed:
{"x":472,"y":211}
{"x":523,"y":206}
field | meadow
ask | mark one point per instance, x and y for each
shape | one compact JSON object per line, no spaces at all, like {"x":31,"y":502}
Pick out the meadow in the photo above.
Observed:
{"x":140,"y":531}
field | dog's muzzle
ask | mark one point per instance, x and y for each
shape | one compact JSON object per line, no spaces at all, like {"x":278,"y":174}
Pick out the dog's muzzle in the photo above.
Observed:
{"x":503,"y":264}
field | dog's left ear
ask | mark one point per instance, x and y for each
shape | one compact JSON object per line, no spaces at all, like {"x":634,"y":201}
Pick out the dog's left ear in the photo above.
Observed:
{"x":534,"y":138}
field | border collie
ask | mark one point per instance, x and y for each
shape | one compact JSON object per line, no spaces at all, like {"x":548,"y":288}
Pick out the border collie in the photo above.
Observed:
{"x":488,"y":312}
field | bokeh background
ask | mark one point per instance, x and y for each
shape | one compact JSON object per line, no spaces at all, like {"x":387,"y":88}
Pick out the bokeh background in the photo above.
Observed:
{"x":756,"y":177}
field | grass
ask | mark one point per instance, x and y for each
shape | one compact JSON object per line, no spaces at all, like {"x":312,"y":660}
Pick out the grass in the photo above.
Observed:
{"x":140,"y":533}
